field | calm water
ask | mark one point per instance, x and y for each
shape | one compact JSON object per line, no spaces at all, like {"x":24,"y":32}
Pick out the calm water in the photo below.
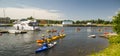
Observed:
{"x":74,"y":44}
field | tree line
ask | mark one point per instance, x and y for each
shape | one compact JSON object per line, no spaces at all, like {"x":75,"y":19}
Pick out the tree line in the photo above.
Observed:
{"x":98,"y":21}
{"x":45,"y":21}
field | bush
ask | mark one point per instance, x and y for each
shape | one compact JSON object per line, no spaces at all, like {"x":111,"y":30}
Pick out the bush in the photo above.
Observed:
{"x":116,"y":23}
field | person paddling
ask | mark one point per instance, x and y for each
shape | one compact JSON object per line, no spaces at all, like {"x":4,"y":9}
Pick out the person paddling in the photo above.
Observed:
{"x":43,"y":37}
{"x":49,"y":36}
{"x":45,"y":40}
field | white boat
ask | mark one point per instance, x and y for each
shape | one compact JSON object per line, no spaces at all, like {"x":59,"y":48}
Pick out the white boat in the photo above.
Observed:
{"x":17,"y":31}
{"x":92,"y":36}
{"x":25,"y":24}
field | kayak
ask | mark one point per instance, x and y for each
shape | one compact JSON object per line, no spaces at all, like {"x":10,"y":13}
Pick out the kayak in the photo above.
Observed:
{"x":39,"y":41}
{"x":51,"y":39}
{"x":42,"y":41}
{"x":45,"y":47}
{"x":55,"y":37}
{"x":62,"y":35}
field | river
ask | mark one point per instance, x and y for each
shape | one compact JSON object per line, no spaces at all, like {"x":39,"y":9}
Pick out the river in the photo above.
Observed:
{"x":74,"y":44}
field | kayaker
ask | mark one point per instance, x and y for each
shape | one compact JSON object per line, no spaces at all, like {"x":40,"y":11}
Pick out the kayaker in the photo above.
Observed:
{"x":49,"y":36}
{"x":58,"y":34}
{"x":43,"y":37}
{"x":45,"y":40}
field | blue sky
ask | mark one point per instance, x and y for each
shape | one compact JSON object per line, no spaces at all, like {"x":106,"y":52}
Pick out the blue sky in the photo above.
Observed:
{"x":67,"y":9}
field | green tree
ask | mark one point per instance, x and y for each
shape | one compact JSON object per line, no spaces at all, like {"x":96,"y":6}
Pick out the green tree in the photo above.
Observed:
{"x":116,"y":23}
{"x":12,"y":20}
{"x":106,"y":22}
{"x":77,"y":22}
{"x":100,"y":21}
{"x":30,"y":18}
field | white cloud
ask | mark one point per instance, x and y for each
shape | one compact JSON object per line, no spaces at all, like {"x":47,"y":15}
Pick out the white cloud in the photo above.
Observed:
{"x":18,"y":13}
{"x":54,"y":10}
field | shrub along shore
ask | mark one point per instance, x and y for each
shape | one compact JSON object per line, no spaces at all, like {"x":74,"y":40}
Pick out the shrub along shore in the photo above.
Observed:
{"x":113,"y":49}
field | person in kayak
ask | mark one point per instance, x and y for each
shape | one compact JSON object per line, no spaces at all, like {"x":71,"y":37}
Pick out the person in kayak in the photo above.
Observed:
{"x":49,"y":36}
{"x":58,"y":34}
{"x":45,"y":40}
{"x":43,"y":37}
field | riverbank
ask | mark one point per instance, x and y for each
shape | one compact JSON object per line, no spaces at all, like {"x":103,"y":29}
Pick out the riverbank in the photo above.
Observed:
{"x":77,"y":25}
{"x":67,"y":25}
{"x":113,"y":49}
{"x":85,"y":25}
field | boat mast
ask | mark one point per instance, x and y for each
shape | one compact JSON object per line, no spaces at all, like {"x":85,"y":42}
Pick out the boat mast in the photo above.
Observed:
{"x":4,"y":12}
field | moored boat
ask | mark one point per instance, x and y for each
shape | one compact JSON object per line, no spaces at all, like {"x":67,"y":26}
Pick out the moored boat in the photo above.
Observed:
{"x":17,"y":31}
{"x":25,"y":24}
{"x":92,"y":36}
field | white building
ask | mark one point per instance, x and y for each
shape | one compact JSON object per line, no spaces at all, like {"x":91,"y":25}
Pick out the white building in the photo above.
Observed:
{"x":89,"y":23}
{"x":67,"y":22}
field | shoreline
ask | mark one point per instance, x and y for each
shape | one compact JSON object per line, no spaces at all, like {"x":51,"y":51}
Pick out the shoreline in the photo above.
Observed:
{"x":77,"y":25}
{"x":65,"y":25}
{"x":95,"y":25}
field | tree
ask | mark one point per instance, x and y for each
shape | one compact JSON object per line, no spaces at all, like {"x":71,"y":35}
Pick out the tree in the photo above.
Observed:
{"x":116,"y":23}
{"x":30,"y":18}
{"x":77,"y":22}
{"x":100,"y":21}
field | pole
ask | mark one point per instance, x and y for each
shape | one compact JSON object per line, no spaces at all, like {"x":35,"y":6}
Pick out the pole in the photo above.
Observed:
{"x":4,"y":12}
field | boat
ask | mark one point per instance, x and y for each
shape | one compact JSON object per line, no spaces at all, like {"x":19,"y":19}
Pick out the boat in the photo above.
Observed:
{"x":92,"y":36}
{"x":62,"y":35}
{"x":55,"y":38}
{"x":45,"y":47}
{"x":17,"y":31}
{"x":25,"y":24}
{"x":3,"y":31}
{"x":40,"y":41}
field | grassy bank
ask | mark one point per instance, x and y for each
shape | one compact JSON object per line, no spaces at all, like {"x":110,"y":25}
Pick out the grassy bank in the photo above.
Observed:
{"x":112,"y":50}
{"x":103,"y":24}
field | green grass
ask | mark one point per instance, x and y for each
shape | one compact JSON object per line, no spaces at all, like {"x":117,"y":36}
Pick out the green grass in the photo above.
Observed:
{"x":112,"y":50}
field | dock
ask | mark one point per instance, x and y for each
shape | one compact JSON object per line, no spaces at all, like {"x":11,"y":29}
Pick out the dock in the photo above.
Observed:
{"x":19,"y":32}
{"x":3,"y":31}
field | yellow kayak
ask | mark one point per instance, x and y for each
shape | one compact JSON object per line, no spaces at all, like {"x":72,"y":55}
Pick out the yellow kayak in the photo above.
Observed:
{"x":62,"y":35}
{"x":55,"y":37}
{"x":51,"y":39}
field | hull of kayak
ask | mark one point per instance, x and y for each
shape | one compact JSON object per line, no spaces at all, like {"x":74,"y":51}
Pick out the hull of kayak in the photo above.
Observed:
{"x":44,"y":47}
